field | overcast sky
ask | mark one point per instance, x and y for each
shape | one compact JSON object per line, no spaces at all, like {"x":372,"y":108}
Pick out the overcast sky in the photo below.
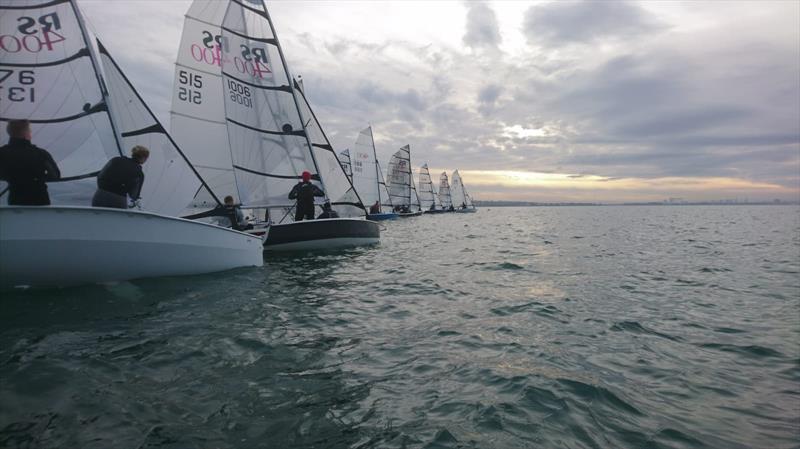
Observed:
{"x":542,"y":101}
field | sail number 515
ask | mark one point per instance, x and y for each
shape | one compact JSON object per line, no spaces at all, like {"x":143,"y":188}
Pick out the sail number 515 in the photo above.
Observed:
{"x":192,"y":81}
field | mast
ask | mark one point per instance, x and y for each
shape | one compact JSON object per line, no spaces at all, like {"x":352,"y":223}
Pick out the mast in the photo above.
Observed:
{"x":377,"y":170}
{"x":294,"y":97}
{"x":100,"y":82}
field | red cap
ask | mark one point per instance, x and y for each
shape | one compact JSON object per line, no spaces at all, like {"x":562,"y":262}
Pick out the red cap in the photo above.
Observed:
{"x":306,"y":176}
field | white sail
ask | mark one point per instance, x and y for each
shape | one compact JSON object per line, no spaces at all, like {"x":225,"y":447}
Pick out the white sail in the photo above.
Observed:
{"x":458,"y":196}
{"x":415,"y":205}
{"x":82,"y":109}
{"x":400,"y":180}
{"x":269,"y":145}
{"x":367,"y":175}
{"x":340,"y":189}
{"x":427,"y":198}
{"x":197,"y":119}
{"x":386,"y":199}
{"x":344,"y":161}
{"x":72,"y":122}
{"x":444,"y":191}
{"x":170,"y":181}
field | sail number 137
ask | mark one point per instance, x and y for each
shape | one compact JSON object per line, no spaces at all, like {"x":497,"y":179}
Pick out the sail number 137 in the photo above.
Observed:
{"x":190,"y":83}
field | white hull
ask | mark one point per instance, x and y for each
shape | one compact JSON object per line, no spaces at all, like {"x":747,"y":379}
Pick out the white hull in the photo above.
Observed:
{"x":61,"y":246}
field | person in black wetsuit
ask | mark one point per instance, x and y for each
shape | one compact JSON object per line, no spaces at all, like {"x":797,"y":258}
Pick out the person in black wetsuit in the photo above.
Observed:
{"x":304,"y":192}
{"x":26,"y":167}
{"x":327,"y":211}
{"x":235,"y":215}
{"x":121,"y":178}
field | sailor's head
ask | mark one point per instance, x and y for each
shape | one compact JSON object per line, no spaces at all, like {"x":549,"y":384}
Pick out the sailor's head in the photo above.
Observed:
{"x":140,"y":154}
{"x":228,"y":200}
{"x":306,"y":176}
{"x":19,"y":129}
{"x":326,"y":205}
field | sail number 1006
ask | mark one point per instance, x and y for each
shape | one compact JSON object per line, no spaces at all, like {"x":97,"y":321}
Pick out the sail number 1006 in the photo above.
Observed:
{"x":192,"y":81}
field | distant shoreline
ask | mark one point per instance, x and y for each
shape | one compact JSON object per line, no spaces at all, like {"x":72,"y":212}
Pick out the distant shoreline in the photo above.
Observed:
{"x":709,"y":203}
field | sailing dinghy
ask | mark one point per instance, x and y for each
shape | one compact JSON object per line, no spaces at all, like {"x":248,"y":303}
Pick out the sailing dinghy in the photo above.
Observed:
{"x":401,"y":184}
{"x":460,"y":199}
{"x":250,"y":125}
{"x":428,"y":199}
{"x":84,"y":111}
{"x":368,"y":177}
{"x":444,"y":193}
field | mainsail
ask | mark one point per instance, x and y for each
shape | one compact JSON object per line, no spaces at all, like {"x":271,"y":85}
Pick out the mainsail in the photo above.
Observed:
{"x":400,"y":180}
{"x":235,"y":107}
{"x":82,"y":108}
{"x":444,"y":191}
{"x":426,"y":193}
{"x":367,"y":175}
{"x":458,"y":196}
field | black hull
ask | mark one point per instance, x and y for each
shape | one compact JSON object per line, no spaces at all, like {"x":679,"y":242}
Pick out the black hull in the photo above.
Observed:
{"x":322,"y":234}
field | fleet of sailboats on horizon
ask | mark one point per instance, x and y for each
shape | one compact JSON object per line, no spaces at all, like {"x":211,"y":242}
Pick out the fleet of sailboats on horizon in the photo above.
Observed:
{"x":242,"y":127}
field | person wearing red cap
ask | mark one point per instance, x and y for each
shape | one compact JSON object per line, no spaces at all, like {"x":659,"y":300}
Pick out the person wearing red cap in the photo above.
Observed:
{"x":304,"y":192}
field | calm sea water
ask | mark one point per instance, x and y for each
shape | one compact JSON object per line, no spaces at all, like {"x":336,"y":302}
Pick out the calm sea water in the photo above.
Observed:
{"x":586,"y":327}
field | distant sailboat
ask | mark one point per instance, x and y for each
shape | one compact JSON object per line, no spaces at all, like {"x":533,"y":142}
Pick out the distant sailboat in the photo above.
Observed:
{"x":243,"y":115}
{"x":368,"y":177}
{"x":428,"y":199}
{"x":459,"y":197}
{"x":84,"y":111}
{"x":401,"y":184}
{"x":444,"y":193}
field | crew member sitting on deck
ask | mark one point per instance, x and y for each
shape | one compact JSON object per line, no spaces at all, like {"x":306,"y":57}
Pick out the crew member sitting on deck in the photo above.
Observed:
{"x":236,"y":216}
{"x":375,"y":208}
{"x":26,"y":167}
{"x":327,"y":211}
{"x":304,"y":192}
{"x":120,"y":179}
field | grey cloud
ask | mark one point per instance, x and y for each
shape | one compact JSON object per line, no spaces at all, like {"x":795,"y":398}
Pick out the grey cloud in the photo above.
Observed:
{"x":567,"y":22}
{"x":482,"y":28}
{"x":487,"y":97}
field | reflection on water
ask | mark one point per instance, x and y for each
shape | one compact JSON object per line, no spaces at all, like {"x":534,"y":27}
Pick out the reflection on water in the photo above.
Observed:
{"x":631,"y":327}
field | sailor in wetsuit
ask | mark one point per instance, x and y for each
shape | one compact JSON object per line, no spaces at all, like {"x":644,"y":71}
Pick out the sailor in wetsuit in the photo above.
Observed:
{"x":26,"y":167}
{"x":375,"y":208}
{"x":327,"y":211}
{"x":122,"y":177}
{"x":304,"y":192}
